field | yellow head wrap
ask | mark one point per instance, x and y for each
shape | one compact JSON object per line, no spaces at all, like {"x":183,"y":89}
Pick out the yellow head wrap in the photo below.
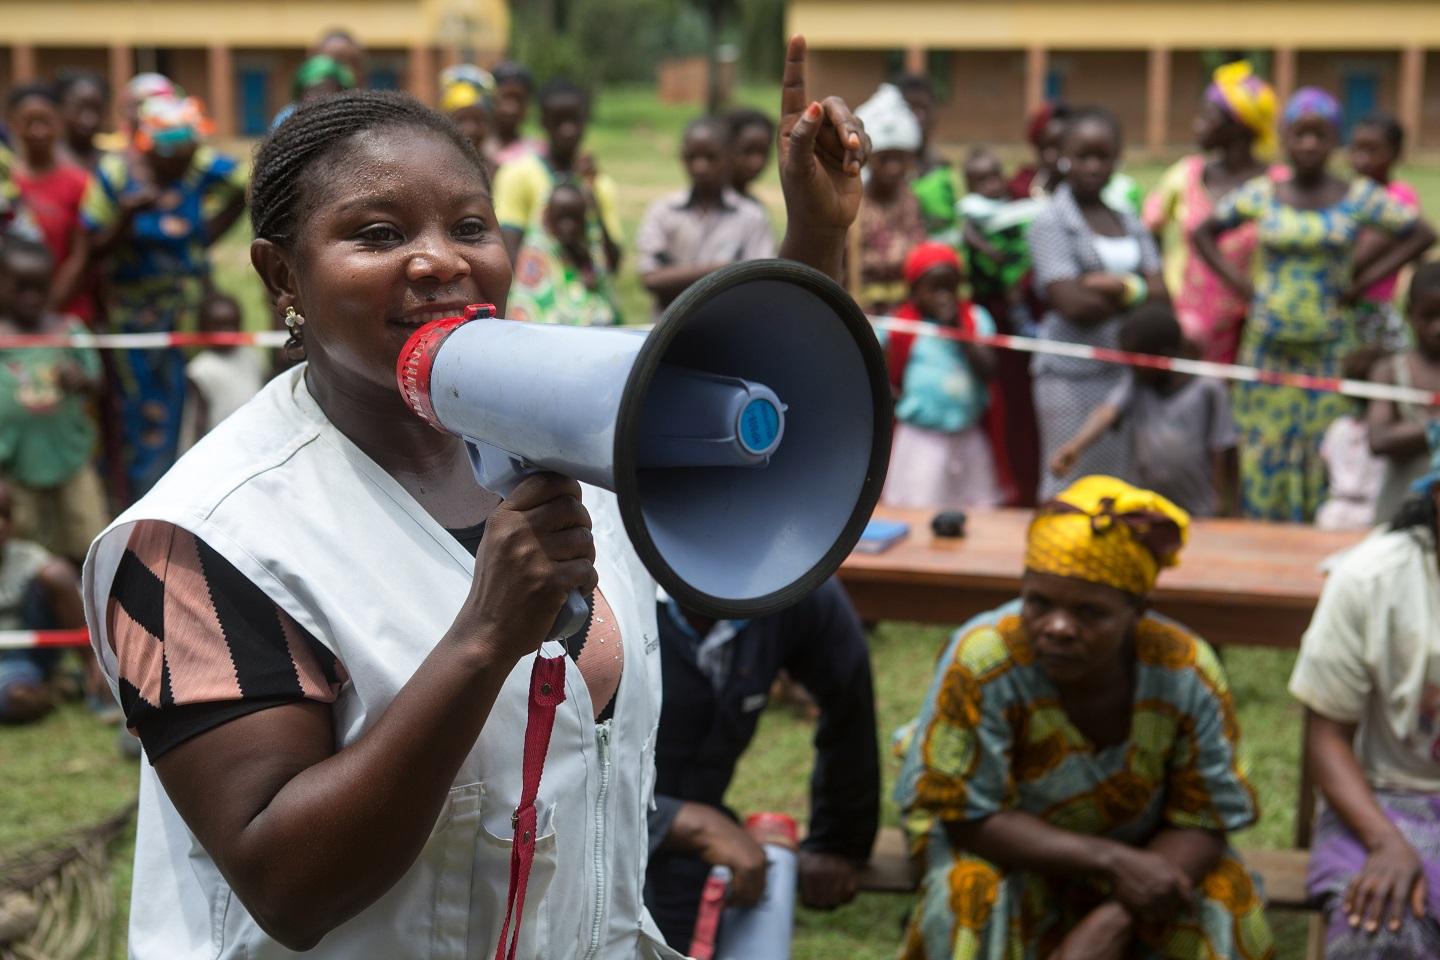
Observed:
{"x":464,"y":86}
{"x":1236,"y":89}
{"x":1104,"y":530}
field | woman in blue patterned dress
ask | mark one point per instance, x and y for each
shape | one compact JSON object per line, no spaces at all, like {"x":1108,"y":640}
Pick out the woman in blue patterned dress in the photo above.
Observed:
{"x":153,"y":212}
{"x":1300,"y":318}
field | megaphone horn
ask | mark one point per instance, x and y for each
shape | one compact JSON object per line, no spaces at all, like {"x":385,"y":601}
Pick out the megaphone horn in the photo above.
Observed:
{"x":746,"y":437}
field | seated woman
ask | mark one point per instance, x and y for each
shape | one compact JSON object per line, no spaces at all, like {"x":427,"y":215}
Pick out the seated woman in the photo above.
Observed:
{"x":1369,"y":677}
{"x":1075,"y":768}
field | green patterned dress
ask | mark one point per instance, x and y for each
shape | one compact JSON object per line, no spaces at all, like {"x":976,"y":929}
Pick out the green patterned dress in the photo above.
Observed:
{"x":1298,"y":325}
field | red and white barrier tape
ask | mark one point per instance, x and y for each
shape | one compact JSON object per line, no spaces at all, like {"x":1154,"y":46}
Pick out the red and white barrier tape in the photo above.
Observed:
{"x":43,"y":639}
{"x":1200,"y":368}
{"x":144,"y":341}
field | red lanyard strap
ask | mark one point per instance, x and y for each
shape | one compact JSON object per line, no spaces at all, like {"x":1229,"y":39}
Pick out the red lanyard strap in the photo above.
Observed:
{"x":707,"y":921}
{"x":547,"y":691}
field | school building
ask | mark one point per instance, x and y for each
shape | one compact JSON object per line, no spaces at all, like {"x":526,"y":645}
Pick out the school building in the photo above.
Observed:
{"x":1148,"y":60}
{"x":239,"y":56}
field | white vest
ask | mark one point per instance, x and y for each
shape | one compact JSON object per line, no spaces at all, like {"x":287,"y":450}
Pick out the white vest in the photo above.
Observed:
{"x":339,"y":545}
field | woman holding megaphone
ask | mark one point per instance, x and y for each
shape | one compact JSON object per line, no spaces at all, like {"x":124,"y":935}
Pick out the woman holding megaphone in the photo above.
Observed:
{"x":321,"y":627}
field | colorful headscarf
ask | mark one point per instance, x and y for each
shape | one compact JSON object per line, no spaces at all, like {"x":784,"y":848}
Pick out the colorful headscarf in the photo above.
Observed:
{"x":319,"y":69}
{"x":924,"y":257}
{"x":143,"y":86}
{"x":168,"y":125}
{"x":1313,"y":102}
{"x":1236,"y":89}
{"x":465,"y":85}
{"x":1105,"y":531}
{"x":889,"y":122}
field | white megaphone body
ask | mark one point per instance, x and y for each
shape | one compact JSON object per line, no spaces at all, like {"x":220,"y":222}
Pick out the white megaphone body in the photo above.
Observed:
{"x":746,"y":437}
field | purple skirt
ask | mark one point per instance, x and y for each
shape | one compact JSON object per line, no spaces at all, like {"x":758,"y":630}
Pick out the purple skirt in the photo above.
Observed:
{"x":1337,"y":855}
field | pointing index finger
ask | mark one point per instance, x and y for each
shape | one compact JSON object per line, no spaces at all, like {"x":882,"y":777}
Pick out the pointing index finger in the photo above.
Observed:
{"x":792,"y":90}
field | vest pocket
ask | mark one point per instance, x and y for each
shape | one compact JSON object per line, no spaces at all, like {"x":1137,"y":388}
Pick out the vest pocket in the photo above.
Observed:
{"x":450,"y":852}
{"x":492,"y":878}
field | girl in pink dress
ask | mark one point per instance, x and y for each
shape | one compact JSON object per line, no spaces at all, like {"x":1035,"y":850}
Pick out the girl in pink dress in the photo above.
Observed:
{"x":1236,"y":127}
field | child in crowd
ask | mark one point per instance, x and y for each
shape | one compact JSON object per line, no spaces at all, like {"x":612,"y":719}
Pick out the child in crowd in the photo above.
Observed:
{"x":1355,"y":474}
{"x":940,"y":458}
{"x":1375,"y":147}
{"x":220,"y":379}
{"x":47,"y":437}
{"x":558,"y":278}
{"x":752,"y":135}
{"x":513,"y":89}
{"x":466,"y":94}
{"x":697,"y":230}
{"x":38,"y":591}
{"x":934,"y":182}
{"x":1184,"y":435}
{"x":890,"y":224}
{"x":52,"y":189}
{"x":997,"y":253}
{"x":1397,"y":430}
{"x":522,"y":187}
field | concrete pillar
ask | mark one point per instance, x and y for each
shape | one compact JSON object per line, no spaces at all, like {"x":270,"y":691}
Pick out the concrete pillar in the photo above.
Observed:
{"x":1037,"y":65}
{"x":915,"y":61}
{"x":1410,"y":101}
{"x":220,"y":72}
{"x":122,"y":68}
{"x":22,"y":64}
{"x":422,"y":79}
{"x":1157,"y":97}
{"x":1284,"y":74}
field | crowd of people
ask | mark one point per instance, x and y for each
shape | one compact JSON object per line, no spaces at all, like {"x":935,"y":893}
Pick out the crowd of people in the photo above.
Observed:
{"x":1076,"y":769}
{"x":1272,"y":262}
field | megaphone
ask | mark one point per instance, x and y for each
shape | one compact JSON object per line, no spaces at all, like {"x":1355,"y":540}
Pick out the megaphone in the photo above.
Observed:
{"x":746,"y":437}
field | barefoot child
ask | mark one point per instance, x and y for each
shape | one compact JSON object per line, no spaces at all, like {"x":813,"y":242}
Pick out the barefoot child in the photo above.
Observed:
{"x":46,"y":434}
{"x":1397,"y":430}
{"x":1182,"y":427}
{"x":940,"y":458}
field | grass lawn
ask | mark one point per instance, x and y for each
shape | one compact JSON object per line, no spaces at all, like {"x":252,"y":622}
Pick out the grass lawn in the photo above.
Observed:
{"x":65,"y":772}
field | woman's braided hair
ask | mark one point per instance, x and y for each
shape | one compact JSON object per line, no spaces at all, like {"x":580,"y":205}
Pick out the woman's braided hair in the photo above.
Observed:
{"x":315,"y":133}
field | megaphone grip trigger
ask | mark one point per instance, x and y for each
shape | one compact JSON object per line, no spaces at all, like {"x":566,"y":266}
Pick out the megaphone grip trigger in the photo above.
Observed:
{"x":571,"y":618}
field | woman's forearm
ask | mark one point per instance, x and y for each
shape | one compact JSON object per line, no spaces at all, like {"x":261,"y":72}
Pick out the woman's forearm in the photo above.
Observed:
{"x":1196,"y":852}
{"x":1338,"y":775}
{"x":309,"y":840}
{"x":822,"y":250}
{"x":1019,"y":841}
{"x":1397,"y":255}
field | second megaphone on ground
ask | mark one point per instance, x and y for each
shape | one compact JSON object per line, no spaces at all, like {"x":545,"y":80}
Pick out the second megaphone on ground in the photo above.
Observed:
{"x":746,"y":437}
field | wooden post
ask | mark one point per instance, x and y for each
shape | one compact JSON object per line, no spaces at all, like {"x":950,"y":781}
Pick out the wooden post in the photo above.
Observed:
{"x":220,"y":70}
{"x":1037,"y":65}
{"x":1284,"y":74}
{"x":122,"y":68}
{"x":22,"y":63}
{"x":1157,"y":115}
{"x":422,"y":74}
{"x":915,"y":61}
{"x":1412,"y":91}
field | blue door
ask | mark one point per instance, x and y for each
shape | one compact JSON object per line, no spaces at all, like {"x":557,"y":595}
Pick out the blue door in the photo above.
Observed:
{"x":1054,"y":85}
{"x":254,"y":101}
{"x":384,"y":78}
{"x":1362,"y":96}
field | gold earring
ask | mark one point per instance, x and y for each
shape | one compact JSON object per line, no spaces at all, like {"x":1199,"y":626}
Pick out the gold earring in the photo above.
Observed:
{"x":294,"y":322}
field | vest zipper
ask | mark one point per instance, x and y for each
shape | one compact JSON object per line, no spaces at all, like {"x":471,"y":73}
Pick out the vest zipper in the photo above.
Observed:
{"x":597,"y":927}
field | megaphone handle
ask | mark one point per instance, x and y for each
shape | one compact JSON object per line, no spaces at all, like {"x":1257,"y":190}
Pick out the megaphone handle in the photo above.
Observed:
{"x":500,"y":471}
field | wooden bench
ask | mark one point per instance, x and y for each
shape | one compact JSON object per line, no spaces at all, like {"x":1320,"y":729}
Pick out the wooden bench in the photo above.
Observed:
{"x":1281,"y":871}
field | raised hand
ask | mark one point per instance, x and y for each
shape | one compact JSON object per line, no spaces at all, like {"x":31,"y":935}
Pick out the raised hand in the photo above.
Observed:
{"x":823,"y":146}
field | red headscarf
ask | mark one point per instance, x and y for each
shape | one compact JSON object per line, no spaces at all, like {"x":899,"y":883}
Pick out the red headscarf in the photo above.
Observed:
{"x":1039,"y":120}
{"x":924,"y":257}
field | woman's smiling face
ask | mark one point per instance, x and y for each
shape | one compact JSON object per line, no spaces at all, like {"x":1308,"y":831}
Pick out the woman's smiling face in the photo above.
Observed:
{"x":400,"y":230}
